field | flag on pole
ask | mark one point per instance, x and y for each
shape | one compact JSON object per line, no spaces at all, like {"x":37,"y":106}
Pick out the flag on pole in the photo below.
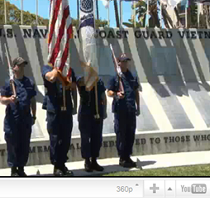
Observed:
{"x":171,"y":3}
{"x":88,"y":49}
{"x":60,"y":32}
{"x":105,"y":3}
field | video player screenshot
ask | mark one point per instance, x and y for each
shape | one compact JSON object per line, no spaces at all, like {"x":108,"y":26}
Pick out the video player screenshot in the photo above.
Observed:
{"x":104,"y":99}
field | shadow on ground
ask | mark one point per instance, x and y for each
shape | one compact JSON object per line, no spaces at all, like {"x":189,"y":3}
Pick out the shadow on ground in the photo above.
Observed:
{"x":107,"y":170}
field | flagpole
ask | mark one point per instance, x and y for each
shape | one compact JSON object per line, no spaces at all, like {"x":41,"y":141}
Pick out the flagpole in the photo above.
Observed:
{"x":185,"y":17}
{"x":78,"y":9}
{"x":186,"y":8}
{"x":5,"y":11}
{"x":97,"y":116}
{"x":21,"y":12}
{"x":161,"y":16}
{"x":147,"y":16}
{"x":108,"y":13}
{"x":198,"y":14}
{"x":134,"y":13}
{"x":121,"y":13}
{"x":37,"y":23}
{"x":94,"y":12}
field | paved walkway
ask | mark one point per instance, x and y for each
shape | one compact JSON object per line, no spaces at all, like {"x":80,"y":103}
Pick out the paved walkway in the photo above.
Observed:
{"x":111,"y":165}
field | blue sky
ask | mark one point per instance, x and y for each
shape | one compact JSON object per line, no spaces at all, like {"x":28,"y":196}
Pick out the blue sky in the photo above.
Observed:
{"x":30,"y":5}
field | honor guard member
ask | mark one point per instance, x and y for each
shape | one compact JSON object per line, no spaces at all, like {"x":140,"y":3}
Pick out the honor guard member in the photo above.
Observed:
{"x":18,"y":120}
{"x":125,"y":107}
{"x":59,"y":122}
{"x":90,"y":127}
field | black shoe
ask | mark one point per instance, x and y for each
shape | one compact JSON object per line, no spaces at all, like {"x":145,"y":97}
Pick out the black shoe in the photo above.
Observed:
{"x":58,"y":172}
{"x":88,"y":166}
{"x":21,"y":171}
{"x":131,"y":162}
{"x":14,"y":171}
{"x":67,"y":172}
{"x":127,"y":163}
{"x":96,"y":166}
{"x":121,"y":162}
{"x":14,"y":174}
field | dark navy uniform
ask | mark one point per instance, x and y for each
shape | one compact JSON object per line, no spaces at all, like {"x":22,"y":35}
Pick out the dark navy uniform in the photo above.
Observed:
{"x":91,"y":128}
{"x":18,"y":121}
{"x":124,"y":113}
{"x":59,"y":123}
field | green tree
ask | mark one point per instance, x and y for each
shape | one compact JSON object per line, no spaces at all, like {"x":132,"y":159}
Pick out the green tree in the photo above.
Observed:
{"x":154,"y":21}
{"x":141,"y":11}
{"x":205,"y":19}
{"x":192,"y":20}
{"x":192,"y":16}
{"x":98,"y":23}
{"x":14,"y":17}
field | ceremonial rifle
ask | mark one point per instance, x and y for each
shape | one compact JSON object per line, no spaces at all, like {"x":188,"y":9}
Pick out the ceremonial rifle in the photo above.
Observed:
{"x":118,"y":70}
{"x":11,"y":75}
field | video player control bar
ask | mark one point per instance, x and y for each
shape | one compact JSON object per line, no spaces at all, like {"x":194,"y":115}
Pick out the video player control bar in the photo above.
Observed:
{"x":176,"y":188}
{"x":128,"y":188}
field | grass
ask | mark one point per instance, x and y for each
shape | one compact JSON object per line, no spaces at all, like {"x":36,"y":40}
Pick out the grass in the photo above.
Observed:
{"x":196,"y":170}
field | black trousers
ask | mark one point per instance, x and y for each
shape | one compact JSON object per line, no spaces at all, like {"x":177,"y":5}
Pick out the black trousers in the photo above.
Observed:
{"x":18,"y":143}
{"x":125,"y":126}
{"x":59,"y":126}
{"x":91,"y":135}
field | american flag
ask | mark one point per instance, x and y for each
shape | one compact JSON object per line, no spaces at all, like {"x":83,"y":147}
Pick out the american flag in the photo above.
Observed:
{"x":60,"y":32}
